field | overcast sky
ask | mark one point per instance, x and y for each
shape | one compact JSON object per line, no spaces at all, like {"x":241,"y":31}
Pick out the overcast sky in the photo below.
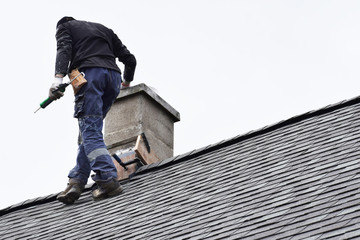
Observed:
{"x":228,"y":67}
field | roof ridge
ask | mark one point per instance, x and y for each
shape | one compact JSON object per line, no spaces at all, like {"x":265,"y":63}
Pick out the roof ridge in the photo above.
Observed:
{"x":227,"y":142}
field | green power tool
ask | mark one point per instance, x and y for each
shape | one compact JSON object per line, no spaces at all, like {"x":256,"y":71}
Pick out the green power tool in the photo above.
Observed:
{"x":80,"y":80}
{"x":60,"y":88}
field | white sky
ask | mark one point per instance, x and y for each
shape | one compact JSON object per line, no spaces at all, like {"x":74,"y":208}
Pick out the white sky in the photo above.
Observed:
{"x":228,"y":67}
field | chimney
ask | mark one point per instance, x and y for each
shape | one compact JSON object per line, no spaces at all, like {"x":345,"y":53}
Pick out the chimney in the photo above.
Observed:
{"x":139,"y":129}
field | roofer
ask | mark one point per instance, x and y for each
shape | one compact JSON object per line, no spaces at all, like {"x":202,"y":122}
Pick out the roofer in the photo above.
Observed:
{"x":92,"y":49}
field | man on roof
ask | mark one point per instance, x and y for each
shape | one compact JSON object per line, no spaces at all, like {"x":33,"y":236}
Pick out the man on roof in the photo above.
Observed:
{"x":91,"y":48}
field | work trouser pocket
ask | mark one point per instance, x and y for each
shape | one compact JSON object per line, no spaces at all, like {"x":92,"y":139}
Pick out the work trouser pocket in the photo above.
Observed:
{"x":79,"y":105}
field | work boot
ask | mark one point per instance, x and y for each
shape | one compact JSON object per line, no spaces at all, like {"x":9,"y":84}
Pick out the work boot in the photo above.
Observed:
{"x":107,"y":189}
{"x":72,"y":192}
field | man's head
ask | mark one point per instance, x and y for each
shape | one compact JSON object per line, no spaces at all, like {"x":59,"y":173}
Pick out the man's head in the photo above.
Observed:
{"x":64,"y":20}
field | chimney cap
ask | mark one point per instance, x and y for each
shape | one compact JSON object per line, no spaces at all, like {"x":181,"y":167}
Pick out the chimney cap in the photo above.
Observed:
{"x":144,"y":89}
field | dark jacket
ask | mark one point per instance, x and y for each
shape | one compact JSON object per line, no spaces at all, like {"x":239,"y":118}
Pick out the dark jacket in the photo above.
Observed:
{"x":85,"y":44}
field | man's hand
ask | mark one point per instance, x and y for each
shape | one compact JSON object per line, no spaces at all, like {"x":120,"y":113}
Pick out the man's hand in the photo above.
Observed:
{"x":54,"y":86}
{"x":125,"y":84}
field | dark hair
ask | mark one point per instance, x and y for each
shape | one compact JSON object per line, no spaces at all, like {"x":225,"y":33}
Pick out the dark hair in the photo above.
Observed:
{"x":64,"y":20}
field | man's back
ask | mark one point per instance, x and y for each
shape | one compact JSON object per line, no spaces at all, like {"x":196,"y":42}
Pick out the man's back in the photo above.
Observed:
{"x":89,"y":44}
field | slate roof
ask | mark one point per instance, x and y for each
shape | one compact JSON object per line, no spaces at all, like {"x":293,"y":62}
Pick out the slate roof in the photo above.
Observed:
{"x":297,"y":179}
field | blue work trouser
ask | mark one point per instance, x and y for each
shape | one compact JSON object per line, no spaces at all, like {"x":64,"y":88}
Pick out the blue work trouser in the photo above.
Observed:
{"x":92,"y":103}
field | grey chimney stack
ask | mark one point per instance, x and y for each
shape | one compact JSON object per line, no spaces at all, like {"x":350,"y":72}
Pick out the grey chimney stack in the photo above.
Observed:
{"x":140,"y":117}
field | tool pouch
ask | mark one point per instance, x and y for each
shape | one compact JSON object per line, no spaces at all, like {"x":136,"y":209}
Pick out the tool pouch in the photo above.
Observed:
{"x":77,"y":80}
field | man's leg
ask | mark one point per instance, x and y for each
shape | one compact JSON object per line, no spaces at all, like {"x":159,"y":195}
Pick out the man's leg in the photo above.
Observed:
{"x":78,"y":177}
{"x":99,"y":158}
{"x":95,"y":149}
{"x":82,"y":169}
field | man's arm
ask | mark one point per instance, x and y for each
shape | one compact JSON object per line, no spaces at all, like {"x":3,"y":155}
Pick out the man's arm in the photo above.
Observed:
{"x":63,"y":57}
{"x":64,"y":49}
{"x":124,"y":56}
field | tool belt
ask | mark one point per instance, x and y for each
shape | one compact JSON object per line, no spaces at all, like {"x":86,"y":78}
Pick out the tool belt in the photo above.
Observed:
{"x":77,"y":80}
